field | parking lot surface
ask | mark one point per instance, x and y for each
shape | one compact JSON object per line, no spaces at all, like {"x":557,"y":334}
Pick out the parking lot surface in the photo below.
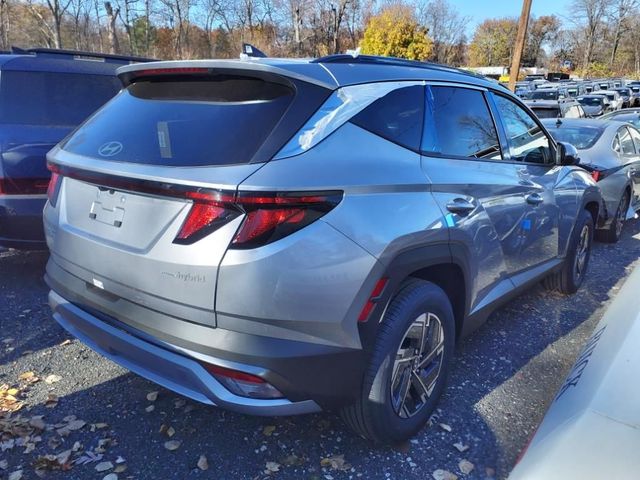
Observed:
{"x":503,"y":378}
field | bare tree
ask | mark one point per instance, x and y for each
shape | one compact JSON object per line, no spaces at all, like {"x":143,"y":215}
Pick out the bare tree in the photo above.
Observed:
{"x":622,"y":14}
{"x":112,"y":17}
{"x":446,"y":28}
{"x":590,"y":15}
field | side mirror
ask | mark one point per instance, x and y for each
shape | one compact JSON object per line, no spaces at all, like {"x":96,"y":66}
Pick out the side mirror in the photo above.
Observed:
{"x":567,"y":154}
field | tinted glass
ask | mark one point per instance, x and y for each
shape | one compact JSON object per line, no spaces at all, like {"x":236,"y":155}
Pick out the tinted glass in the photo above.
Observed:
{"x":590,"y":101}
{"x":60,"y":99}
{"x":580,"y":137}
{"x":218,"y":121}
{"x":398,"y":116}
{"x":527,"y":141}
{"x":545,"y":95}
{"x":572,"y":112}
{"x":626,"y":142}
{"x":546,"y":112}
{"x":459,"y":124}
{"x":635,"y":134}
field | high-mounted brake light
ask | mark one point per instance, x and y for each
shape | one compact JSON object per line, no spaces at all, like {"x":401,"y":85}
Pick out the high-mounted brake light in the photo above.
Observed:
{"x":169,"y":71}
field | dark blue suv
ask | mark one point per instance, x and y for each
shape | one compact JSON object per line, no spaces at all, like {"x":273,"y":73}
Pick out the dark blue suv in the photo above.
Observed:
{"x":44,"y":95}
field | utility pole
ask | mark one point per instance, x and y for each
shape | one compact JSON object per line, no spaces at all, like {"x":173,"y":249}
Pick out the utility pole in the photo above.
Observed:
{"x":520,"y":41}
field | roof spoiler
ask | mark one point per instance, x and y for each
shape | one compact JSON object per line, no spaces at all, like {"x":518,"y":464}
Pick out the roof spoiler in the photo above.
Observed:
{"x":79,"y":55}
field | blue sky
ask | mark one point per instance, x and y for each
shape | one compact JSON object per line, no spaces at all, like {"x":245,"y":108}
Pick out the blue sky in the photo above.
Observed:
{"x":479,"y":10}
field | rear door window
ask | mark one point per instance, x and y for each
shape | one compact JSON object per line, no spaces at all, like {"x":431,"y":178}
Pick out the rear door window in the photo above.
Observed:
{"x":218,"y":120}
{"x":626,"y":142}
{"x":459,"y":124}
{"x":50,"y":98}
{"x":398,"y":116}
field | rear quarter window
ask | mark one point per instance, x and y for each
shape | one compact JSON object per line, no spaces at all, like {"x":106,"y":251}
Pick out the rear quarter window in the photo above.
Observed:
{"x":51,"y":98}
{"x":398,"y":117}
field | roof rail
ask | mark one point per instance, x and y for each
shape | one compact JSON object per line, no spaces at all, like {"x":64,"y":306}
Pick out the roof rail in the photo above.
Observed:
{"x":393,"y":61}
{"x":79,"y":54}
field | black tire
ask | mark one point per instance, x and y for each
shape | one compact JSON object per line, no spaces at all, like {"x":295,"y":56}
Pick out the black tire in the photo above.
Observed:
{"x":569,"y":277}
{"x":614,"y":232}
{"x":374,"y":415}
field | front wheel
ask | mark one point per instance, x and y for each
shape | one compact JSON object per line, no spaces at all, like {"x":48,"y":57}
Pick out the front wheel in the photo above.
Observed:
{"x":571,"y":274}
{"x":409,"y":365}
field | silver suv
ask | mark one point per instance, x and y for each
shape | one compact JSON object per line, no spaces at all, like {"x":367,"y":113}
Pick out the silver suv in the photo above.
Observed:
{"x":284,"y":236}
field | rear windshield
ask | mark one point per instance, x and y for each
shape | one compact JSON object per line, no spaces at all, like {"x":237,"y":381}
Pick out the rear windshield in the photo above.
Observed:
{"x":546,"y":112}
{"x":545,"y":95}
{"x":580,"y":137}
{"x":590,"y":101}
{"x":49,"y":98}
{"x":219,"y":120}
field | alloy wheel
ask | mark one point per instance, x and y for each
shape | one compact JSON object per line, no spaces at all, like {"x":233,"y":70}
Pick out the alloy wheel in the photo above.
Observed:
{"x":417,"y":365}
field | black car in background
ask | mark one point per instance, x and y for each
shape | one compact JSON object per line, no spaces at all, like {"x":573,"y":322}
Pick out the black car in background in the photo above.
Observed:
{"x":44,"y":95}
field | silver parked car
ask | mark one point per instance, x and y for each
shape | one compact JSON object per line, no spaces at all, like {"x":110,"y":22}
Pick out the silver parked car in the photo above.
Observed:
{"x":283,"y":236}
{"x":611,"y":152}
{"x":592,"y":428}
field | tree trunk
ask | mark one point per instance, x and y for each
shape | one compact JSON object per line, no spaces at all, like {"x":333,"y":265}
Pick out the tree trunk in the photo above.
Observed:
{"x":111,"y":27}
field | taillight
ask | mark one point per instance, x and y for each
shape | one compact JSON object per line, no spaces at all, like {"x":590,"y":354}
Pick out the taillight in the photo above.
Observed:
{"x":53,"y":189}
{"x":209,"y":212}
{"x":23,"y":186}
{"x":269,"y":216}
{"x":243,"y":384}
{"x":596,"y":175}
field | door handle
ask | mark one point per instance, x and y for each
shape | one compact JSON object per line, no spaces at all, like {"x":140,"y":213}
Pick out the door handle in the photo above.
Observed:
{"x":534,"y":199}
{"x":460,"y":206}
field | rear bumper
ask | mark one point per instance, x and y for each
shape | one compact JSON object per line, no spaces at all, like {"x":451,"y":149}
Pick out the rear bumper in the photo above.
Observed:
{"x":21,"y":221}
{"x":170,"y":366}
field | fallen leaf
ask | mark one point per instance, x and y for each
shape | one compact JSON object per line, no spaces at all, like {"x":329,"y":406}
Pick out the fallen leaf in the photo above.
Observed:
{"x":37,"y":422}
{"x":461,"y":447}
{"x":336,"y":462}
{"x":170,"y":432}
{"x":292,"y":461}
{"x":268,"y":430}
{"x":50,"y":379}
{"x":443,"y":475}
{"x":203,"y":464}
{"x":52,"y":401}
{"x":76,"y":425}
{"x":104,"y":466}
{"x":17,"y":475}
{"x":272,"y":467}
{"x":445,"y":427}
{"x":150,"y":408}
{"x":152,"y":396}
{"x":4,"y":464}
{"x":120,"y":468}
{"x":111,"y":476}
{"x":66,"y":342}
{"x":172,"y":445}
{"x":466,"y":466}
{"x":26,"y":376}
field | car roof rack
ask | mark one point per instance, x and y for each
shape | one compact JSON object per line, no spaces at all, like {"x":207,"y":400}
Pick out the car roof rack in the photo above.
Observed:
{"x":392,"y":61}
{"x":78,"y":54}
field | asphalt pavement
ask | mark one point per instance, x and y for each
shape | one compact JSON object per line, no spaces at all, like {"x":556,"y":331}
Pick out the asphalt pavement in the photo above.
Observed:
{"x":503,"y":378}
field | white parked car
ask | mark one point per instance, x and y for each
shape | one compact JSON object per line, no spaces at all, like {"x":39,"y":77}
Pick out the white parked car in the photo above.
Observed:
{"x":592,"y":429}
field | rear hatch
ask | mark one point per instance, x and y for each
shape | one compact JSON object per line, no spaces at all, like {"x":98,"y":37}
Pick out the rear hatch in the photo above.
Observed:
{"x":146,"y":189}
{"x":37,"y":110}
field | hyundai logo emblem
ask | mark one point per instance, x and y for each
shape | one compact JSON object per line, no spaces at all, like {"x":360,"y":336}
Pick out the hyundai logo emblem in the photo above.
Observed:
{"x":110,"y":149}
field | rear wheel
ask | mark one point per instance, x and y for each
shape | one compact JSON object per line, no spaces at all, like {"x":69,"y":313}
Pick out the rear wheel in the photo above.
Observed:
{"x":574,"y":268}
{"x":614,"y":232}
{"x":409,"y":365}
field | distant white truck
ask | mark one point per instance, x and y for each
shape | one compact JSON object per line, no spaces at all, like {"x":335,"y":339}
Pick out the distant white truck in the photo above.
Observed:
{"x":592,"y":429}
